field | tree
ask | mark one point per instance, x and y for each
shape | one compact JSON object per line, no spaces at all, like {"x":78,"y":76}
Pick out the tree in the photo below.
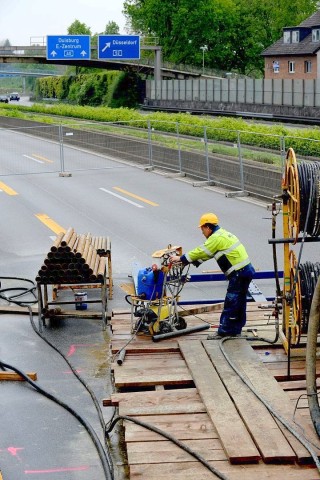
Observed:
{"x":78,"y":28}
{"x":235,"y":31}
{"x":112,"y":28}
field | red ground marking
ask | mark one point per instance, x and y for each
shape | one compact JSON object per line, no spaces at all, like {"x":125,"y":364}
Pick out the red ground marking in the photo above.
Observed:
{"x":54,"y":470}
{"x":73,"y":348}
{"x":14,"y":450}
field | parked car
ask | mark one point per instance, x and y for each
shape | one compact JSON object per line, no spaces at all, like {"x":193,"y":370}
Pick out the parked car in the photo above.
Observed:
{"x":14,"y":96}
{"x":4,"y":98}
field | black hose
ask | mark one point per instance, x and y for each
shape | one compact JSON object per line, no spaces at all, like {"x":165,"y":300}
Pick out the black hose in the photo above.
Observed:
{"x":23,"y":291}
{"x":311,"y":359}
{"x":309,"y":175}
{"x":172,"y":439}
{"x":101,"y":452}
{"x":281,"y":419}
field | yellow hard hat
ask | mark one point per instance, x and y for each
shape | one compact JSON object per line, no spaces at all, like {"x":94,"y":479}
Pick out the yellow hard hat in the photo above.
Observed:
{"x":208,"y":218}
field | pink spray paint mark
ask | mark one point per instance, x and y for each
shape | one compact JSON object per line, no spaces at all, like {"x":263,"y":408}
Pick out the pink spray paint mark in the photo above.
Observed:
{"x":73,"y":348}
{"x":14,"y":451}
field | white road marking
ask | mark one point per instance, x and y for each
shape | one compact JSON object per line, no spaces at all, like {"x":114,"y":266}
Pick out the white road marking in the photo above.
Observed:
{"x":34,"y":159}
{"x":121,"y":198}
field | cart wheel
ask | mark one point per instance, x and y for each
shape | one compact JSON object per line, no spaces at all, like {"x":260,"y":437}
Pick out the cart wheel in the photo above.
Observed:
{"x":165,"y":327}
{"x":180,"y":323}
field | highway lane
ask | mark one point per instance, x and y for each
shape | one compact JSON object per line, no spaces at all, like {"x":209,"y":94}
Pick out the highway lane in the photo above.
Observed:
{"x":141,"y":212}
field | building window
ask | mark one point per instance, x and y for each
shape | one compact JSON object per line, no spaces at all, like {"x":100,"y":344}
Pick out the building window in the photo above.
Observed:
{"x":275,"y":66}
{"x":295,"y":36}
{"x":307,"y":66}
{"x":287,"y":36}
{"x":316,"y":35}
{"x":291,"y":67}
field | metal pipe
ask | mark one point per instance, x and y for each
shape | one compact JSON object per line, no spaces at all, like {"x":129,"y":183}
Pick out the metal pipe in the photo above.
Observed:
{"x":178,"y":333}
{"x":292,"y":240}
{"x":121,"y":356}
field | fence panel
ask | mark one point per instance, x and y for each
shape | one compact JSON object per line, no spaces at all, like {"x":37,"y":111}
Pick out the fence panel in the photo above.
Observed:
{"x":29,"y":156}
{"x":237,"y":160}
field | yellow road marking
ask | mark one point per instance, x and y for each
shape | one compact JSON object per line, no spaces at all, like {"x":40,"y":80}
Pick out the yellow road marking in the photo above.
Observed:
{"x":55,"y":227}
{"x":136,"y":196}
{"x":7,"y":189}
{"x":42,"y":158}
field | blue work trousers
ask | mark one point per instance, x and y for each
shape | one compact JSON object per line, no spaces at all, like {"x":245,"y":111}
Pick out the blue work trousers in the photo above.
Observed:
{"x":233,"y":316}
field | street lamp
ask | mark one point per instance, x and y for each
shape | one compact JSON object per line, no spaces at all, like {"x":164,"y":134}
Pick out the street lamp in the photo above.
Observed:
{"x":204,"y":48}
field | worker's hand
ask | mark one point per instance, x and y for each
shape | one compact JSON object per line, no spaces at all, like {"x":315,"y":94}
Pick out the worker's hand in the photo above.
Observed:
{"x":174,"y":259}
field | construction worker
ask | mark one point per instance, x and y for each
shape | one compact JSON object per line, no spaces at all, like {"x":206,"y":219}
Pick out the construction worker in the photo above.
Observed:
{"x":233,"y":260}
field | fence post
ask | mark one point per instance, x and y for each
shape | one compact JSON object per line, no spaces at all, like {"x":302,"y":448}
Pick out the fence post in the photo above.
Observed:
{"x":61,"y":149}
{"x":179,"y":147}
{"x":150,"y":144}
{"x":205,"y":138}
{"x":240,"y":163}
{"x":283,"y":152}
{"x":242,"y":192}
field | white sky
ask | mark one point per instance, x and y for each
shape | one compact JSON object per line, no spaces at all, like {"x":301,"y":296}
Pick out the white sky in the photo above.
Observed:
{"x":21,"y":20}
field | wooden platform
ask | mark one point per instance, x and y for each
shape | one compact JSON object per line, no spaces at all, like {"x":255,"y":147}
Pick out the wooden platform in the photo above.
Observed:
{"x":186,"y":387}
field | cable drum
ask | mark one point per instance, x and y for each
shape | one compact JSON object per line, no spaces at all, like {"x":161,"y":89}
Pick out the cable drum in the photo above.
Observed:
{"x":309,"y":273}
{"x":309,"y":186}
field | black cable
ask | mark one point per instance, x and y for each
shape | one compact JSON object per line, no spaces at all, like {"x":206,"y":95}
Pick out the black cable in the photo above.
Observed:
{"x":301,"y":438}
{"x":101,"y":451}
{"x":172,"y":439}
{"x":81,"y":380}
{"x":23,"y":291}
{"x":32,"y":290}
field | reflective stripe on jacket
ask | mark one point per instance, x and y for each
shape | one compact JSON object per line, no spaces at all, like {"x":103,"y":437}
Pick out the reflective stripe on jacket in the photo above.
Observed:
{"x":225,"y":248}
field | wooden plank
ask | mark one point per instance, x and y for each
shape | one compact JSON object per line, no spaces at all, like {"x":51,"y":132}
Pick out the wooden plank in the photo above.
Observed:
{"x":159,"y":402}
{"x":140,"y":452}
{"x":16,"y":376}
{"x":194,"y":470}
{"x":269,"y":439}
{"x":141,"y":375}
{"x":182,"y":426}
{"x":233,"y":434}
{"x":242,"y":354}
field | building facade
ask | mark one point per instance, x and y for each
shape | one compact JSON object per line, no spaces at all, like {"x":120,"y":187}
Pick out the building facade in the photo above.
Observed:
{"x":296,"y":55}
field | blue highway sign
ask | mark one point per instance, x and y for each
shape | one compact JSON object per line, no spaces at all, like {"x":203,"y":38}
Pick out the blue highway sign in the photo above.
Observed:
{"x":68,"y":47}
{"x":119,"y":47}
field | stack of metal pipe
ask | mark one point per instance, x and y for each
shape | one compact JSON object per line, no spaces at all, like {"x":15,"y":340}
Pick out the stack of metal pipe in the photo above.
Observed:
{"x":74,"y":259}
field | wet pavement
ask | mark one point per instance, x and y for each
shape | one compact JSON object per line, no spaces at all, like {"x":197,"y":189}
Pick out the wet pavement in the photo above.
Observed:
{"x":39,"y":438}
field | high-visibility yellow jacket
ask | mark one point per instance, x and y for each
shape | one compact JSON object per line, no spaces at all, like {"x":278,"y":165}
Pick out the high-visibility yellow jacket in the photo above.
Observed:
{"x":225,"y":248}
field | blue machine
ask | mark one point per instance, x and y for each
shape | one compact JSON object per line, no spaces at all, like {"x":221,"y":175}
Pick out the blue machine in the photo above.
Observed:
{"x":150,"y":283}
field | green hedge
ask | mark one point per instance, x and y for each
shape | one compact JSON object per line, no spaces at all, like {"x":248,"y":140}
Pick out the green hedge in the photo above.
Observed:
{"x":109,"y":88}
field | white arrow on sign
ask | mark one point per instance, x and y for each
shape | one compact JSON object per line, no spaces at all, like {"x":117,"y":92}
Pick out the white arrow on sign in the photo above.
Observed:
{"x":107,"y":45}
{"x":83,"y":53}
{"x":53,"y":53}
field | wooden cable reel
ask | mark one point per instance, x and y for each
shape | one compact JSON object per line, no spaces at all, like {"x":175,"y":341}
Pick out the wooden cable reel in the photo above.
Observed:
{"x":295,"y":315}
{"x":292,"y":188}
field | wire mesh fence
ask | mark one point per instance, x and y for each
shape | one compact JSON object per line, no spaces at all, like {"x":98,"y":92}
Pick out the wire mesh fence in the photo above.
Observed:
{"x":243,"y":162}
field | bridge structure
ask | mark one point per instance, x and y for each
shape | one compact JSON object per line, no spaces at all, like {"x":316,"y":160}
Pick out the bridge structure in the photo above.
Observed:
{"x":36,"y":54}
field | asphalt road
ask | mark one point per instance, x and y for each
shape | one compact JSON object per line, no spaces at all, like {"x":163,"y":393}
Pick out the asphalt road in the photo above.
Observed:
{"x":141,"y":212}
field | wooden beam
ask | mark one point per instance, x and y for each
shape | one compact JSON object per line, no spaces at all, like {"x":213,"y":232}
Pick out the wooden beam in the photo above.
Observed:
{"x":242,"y":354}
{"x":234,"y":436}
{"x":16,"y":376}
{"x":269,"y":439}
